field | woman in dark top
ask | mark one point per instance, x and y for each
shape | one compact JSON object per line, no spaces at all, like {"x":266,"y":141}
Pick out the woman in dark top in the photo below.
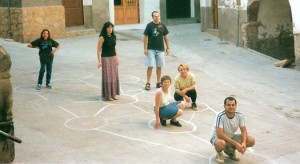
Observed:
{"x":109,"y":62}
{"x":46,"y":53}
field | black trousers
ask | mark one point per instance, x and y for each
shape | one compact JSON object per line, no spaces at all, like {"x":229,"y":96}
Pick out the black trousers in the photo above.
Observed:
{"x":192,"y":94}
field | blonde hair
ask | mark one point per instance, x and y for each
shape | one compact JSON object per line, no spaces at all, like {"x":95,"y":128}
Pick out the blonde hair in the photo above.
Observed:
{"x":186,"y":66}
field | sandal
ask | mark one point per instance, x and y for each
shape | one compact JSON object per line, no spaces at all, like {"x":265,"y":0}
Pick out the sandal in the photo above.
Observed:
{"x":147,"y":87}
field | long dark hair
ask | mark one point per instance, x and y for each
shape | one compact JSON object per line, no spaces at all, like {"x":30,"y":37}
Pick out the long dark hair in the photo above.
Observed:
{"x":49,"y":36}
{"x":105,"y":26}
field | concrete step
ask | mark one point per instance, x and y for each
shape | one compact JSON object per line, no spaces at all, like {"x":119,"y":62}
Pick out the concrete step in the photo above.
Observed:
{"x":180,"y":21}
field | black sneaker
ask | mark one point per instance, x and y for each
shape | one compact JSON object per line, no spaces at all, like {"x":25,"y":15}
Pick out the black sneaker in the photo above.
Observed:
{"x":194,"y":106}
{"x":175,"y":123}
{"x":163,"y":122}
{"x":158,"y":85}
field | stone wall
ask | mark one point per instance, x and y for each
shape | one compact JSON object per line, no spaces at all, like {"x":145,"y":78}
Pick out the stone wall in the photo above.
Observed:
{"x":4,"y":28}
{"x":35,"y":19}
{"x":297,"y":45}
{"x":275,"y":30}
{"x":28,"y":22}
{"x":29,"y":3}
{"x":249,"y":33}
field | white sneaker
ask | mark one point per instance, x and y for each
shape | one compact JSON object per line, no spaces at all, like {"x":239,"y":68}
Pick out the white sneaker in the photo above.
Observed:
{"x":39,"y":86}
{"x":220,"y":157}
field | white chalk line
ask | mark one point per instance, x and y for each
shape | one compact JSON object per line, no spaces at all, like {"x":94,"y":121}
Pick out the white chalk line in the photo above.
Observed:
{"x":130,"y":138}
{"x":152,"y":143}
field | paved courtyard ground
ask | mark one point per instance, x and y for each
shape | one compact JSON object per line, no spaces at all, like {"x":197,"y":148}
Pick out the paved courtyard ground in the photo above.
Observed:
{"x":71,"y":124}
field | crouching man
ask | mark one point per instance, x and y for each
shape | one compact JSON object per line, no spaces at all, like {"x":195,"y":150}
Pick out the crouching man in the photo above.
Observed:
{"x":223,"y":135}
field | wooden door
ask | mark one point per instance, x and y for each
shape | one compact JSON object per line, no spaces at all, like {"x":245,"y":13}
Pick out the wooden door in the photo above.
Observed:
{"x":126,"y":11}
{"x":73,"y":12}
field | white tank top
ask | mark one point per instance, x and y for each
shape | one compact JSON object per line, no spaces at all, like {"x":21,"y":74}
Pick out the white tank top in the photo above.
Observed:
{"x":166,"y":98}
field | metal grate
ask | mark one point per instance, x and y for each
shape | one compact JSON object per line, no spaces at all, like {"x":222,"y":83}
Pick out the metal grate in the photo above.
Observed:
{"x":131,"y":2}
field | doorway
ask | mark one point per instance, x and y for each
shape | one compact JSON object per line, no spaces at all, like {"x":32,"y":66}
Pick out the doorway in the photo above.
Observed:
{"x":178,"y":9}
{"x":73,"y":12}
{"x":126,"y":11}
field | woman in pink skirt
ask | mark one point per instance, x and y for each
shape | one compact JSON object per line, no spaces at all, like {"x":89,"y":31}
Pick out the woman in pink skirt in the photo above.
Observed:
{"x":109,"y":61}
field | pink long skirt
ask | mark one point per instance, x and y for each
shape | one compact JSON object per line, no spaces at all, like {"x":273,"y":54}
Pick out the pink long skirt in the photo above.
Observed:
{"x":110,"y":77}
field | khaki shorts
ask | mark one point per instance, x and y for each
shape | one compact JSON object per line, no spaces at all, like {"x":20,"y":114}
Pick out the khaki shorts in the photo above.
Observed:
{"x":229,"y":147}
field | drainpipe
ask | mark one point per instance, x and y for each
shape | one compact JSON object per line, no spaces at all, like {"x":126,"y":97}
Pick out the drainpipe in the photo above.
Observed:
{"x":238,"y":3}
{"x":238,"y":26}
{"x":9,"y":20}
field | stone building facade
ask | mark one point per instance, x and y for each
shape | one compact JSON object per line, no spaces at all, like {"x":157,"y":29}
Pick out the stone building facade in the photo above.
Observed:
{"x":267,"y":26}
{"x":23,"y":20}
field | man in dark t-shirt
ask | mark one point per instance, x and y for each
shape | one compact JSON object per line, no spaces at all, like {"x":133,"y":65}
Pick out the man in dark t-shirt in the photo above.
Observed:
{"x":155,"y":35}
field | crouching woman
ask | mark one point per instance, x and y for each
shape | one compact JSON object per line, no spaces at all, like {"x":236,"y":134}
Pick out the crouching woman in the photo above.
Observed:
{"x":165,"y":107}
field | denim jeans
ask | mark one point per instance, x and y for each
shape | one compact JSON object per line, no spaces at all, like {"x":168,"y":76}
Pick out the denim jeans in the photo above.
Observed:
{"x":48,"y":67}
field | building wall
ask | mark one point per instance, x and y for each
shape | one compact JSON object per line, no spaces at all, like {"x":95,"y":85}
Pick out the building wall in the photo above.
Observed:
{"x":197,"y":11}
{"x":230,"y":21}
{"x":100,"y":13}
{"x":268,"y":26}
{"x":206,"y":15}
{"x":26,"y":19}
{"x":29,"y":3}
{"x":206,"y":21}
{"x":275,"y":30}
{"x":147,"y":7}
{"x":296,"y":25}
{"x":88,"y":13}
{"x":297,"y":45}
{"x":231,"y":16}
{"x":34,"y":22}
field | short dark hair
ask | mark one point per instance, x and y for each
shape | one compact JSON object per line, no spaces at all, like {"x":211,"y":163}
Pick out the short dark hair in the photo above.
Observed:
{"x":165,"y":77}
{"x":230,"y":99}
{"x":154,"y":12}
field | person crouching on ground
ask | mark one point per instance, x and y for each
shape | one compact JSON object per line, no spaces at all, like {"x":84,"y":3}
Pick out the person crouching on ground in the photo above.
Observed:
{"x":165,"y":107}
{"x":223,"y":135}
{"x":185,"y":86}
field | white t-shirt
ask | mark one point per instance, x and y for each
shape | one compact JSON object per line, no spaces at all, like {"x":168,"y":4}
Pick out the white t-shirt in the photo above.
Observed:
{"x":229,"y":126}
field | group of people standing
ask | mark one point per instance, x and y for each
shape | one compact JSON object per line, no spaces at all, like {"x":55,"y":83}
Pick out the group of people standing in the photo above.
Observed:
{"x":155,"y":39}
{"x":226,"y":123}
